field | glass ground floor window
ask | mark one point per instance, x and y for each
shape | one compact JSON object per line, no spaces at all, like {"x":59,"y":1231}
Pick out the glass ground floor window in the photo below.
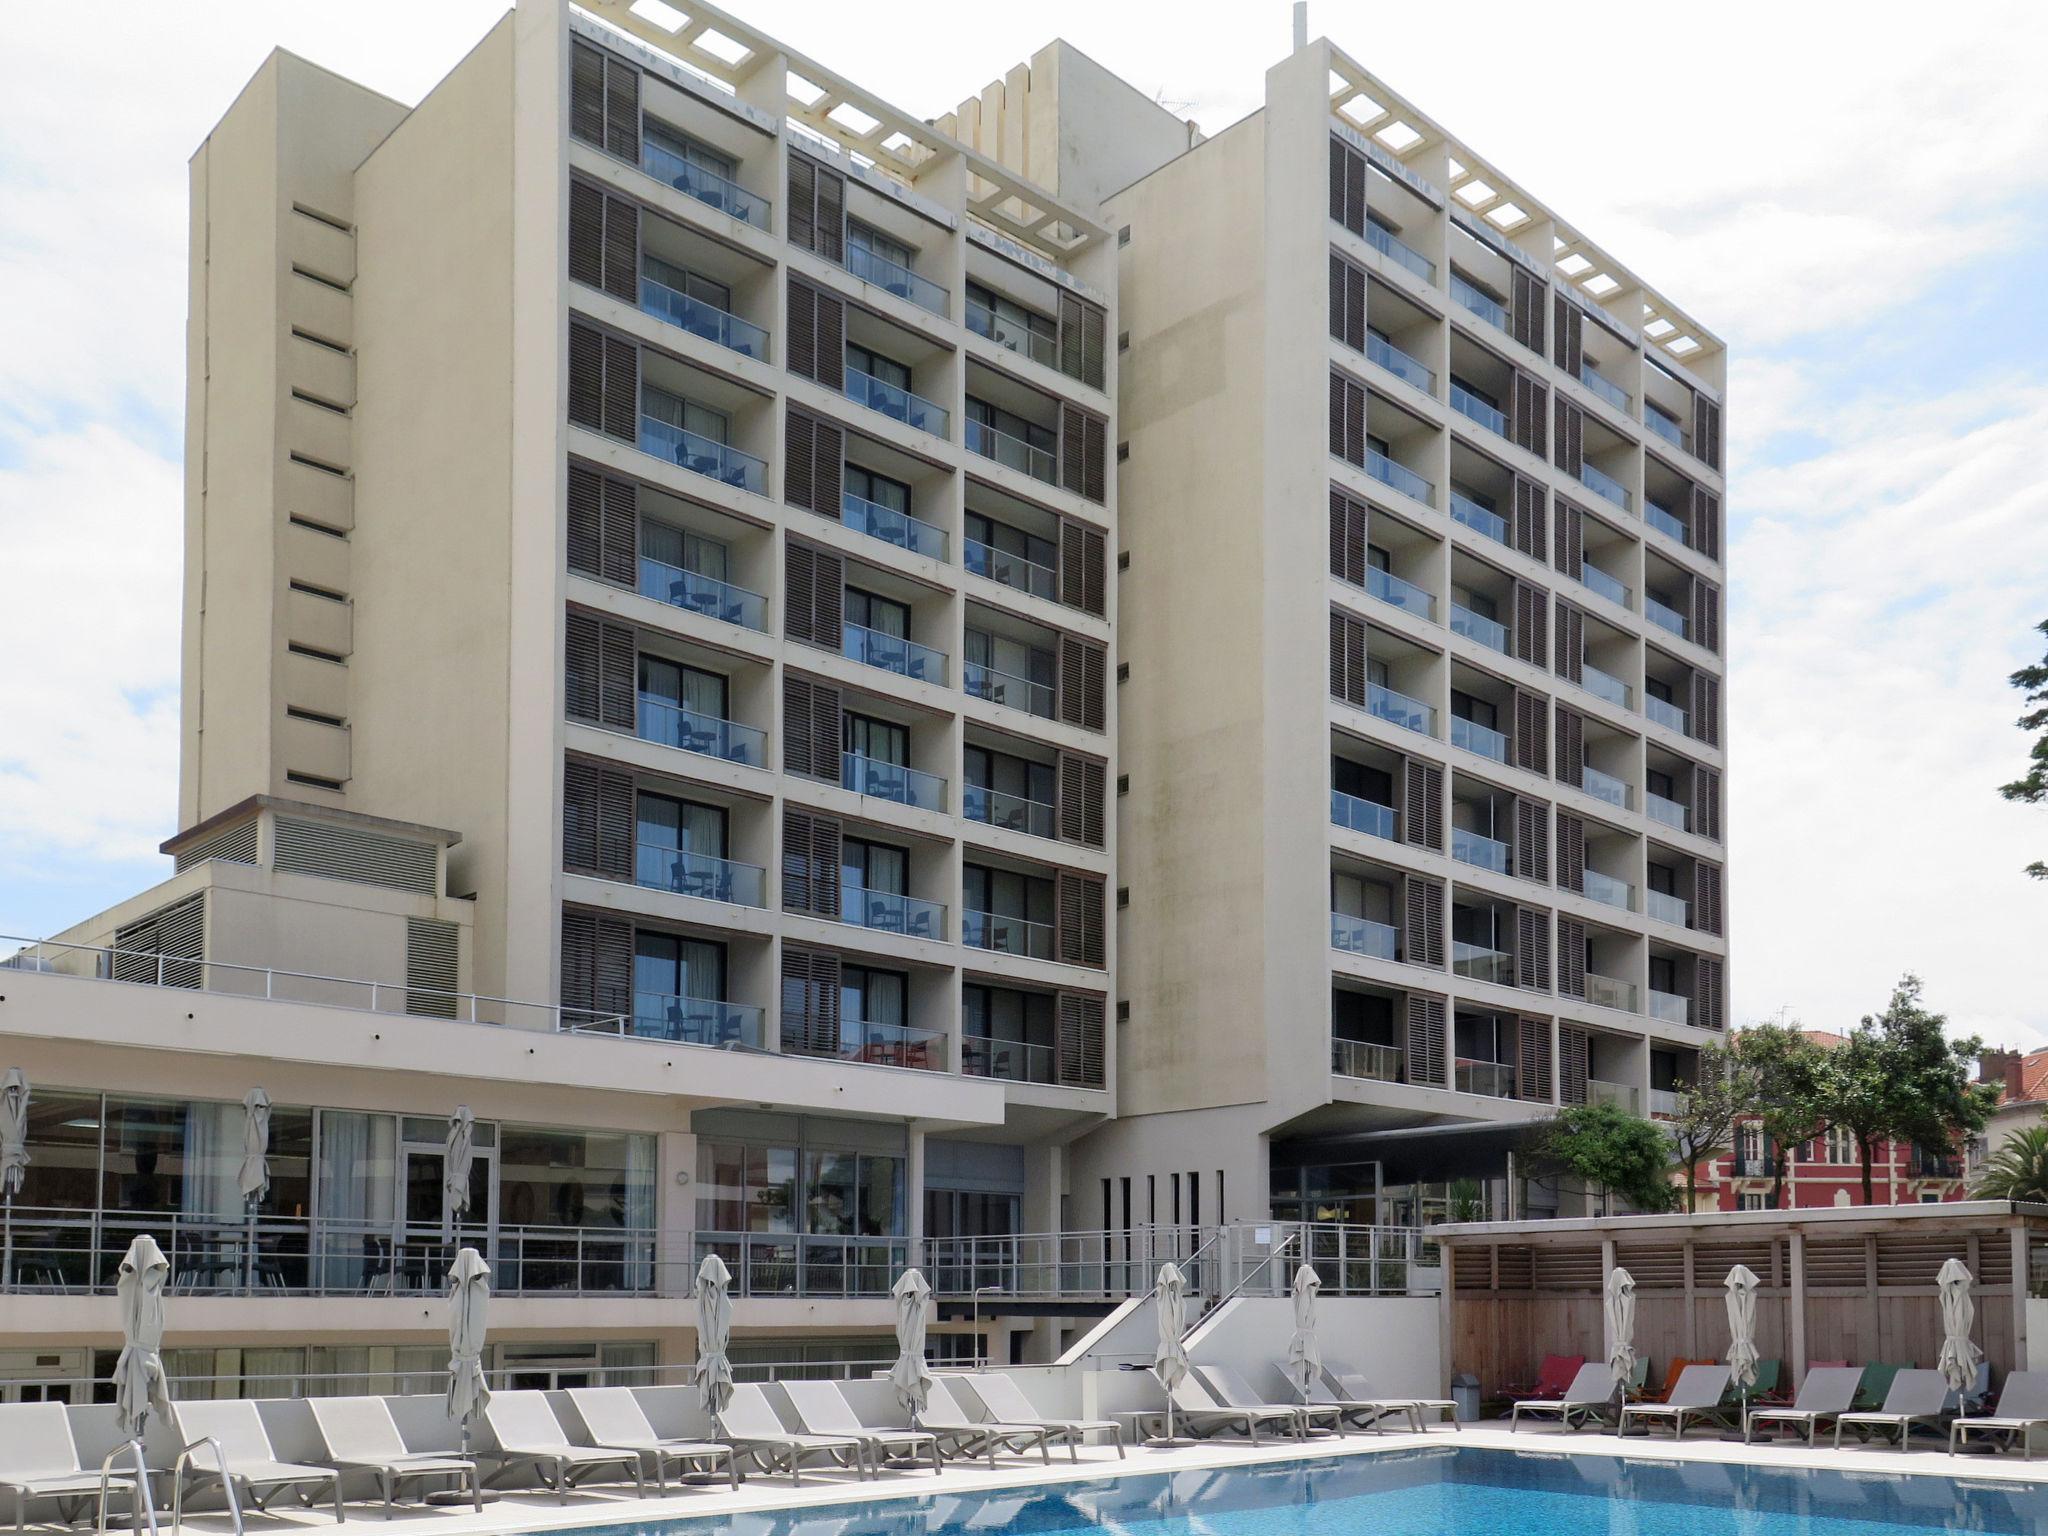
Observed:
{"x":381,"y":1370}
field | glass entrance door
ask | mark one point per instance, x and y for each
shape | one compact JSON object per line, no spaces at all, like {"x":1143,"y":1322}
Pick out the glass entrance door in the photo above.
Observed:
{"x":429,"y":1232}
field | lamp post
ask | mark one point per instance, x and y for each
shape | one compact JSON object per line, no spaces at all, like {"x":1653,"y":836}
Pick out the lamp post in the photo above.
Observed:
{"x":994,"y":1290}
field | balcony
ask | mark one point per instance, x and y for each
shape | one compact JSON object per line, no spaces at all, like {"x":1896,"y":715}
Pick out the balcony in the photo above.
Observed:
{"x":891,"y":781}
{"x":660,"y":868}
{"x":1013,"y":452}
{"x":1610,"y":992}
{"x":1363,"y":936}
{"x":893,"y":653}
{"x":1359,"y":815}
{"x":1602,"y":484}
{"x":1400,"y":364}
{"x":1668,"y":1007}
{"x":1666,"y":908}
{"x":1493,"y":1079}
{"x":1664,"y":425}
{"x":714,"y":599}
{"x":1481,"y":631}
{"x":1485,"y":306}
{"x":1609,"y":891}
{"x":1397,"y":593}
{"x":1665,"y":617}
{"x":1670,"y":812}
{"x":1604,"y":786}
{"x":1599,"y":1091}
{"x":1011,"y":1061}
{"x":696,"y":1021}
{"x":701,"y":319}
{"x":1012,"y":570}
{"x":1467,"y":511}
{"x":1483,"y":740}
{"x":701,"y":456}
{"x":1472,"y":408}
{"x":1399,"y":709}
{"x":891,"y":526}
{"x":1609,"y":587}
{"x":1036,"y":345}
{"x":1664,"y":522}
{"x":1665,"y":713}
{"x":895,"y":402}
{"x":1934,"y":1165}
{"x":891,"y":912}
{"x":707,"y":187}
{"x":1613,"y":394}
{"x":872,"y":267}
{"x":1399,"y":251}
{"x":1480,"y":851}
{"x":1755,"y":1165}
{"x":1604,"y":685}
{"x":1666,"y":1103}
{"x":1399,"y":476}
{"x":1006,"y":935}
{"x":668,"y":724}
{"x":1363,"y":1059}
{"x":1479,"y":963}
{"x":874,"y":1045}
{"x":1012,"y":813}
{"x":1008,"y":689}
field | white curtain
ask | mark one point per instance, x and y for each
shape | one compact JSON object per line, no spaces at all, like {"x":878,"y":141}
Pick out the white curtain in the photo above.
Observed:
{"x":213,"y":1155}
{"x":358,"y":1157}
{"x":639,"y":1212}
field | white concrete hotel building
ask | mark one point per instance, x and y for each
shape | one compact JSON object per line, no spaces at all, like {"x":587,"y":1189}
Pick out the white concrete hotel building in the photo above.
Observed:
{"x":701,"y":590}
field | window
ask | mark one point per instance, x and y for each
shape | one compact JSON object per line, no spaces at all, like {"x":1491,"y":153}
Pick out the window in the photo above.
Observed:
{"x":685,"y":148}
{"x":1482,"y":396}
{"x":1664,"y":880}
{"x":1658,"y":690}
{"x":1008,"y":775}
{"x":1014,"y":326}
{"x":1753,"y":1202}
{"x":1361,"y":782}
{"x":1839,"y":1146}
{"x":879,"y":741}
{"x":1663,"y":974}
{"x":668,"y":968}
{"x":883,"y":615}
{"x":879,"y":489}
{"x":668,"y":826}
{"x":1009,"y":893}
{"x":1011,"y":658}
{"x":1379,"y":446}
{"x":1010,"y":424}
{"x":1357,"y":896}
{"x":1377,"y":557}
{"x":671,"y":686}
{"x":1376,"y":672}
{"x":672,"y":410}
{"x":1002,"y":537}
{"x":1009,"y":1033}
{"x":581,"y":1179}
{"x":874,"y":867}
{"x":876,"y":366}
{"x":682,"y":280}
{"x":1660,"y":784}
{"x":1478,"y":711}
{"x":1474,"y":602}
{"x":868,"y":996}
{"x":868,"y":238}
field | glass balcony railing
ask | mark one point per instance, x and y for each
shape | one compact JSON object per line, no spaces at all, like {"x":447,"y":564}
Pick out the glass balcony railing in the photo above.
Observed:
{"x":1665,"y":616}
{"x":1667,"y":1103}
{"x":891,"y":912}
{"x":1360,"y":815}
{"x":1667,"y":908}
{"x":1014,"y":1061}
{"x":702,"y":319}
{"x":1008,"y":689}
{"x":1362,"y":1058}
{"x":1363,"y":936}
{"x":1036,"y":345}
{"x":696,"y":1020}
{"x":1671,"y":812}
{"x":1399,"y":709}
{"x":1479,"y":850}
{"x":1494,"y":1079}
{"x":1006,"y":935}
{"x":1472,"y":408}
{"x":1467,"y":511}
{"x":693,"y":180}
{"x":695,"y":874}
{"x":1610,"y":891}
{"x":1604,"y":786}
{"x":1014,"y":452}
{"x":1613,"y":589}
{"x":1483,"y":964}
{"x":1664,"y":426}
{"x":1665,"y":713}
{"x":1613,"y":394}
{"x":1396,"y":592}
{"x":891,"y":781}
{"x":1013,"y":813}
{"x":669,"y":725}
{"x":1600,"y":483}
{"x":1610,"y":992}
{"x":1482,"y":739}
{"x":1013,"y":570}
{"x":873,"y":267}
{"x":1664,"y":522}
{"x":1478,"y":628}
{"x":1603,"y":685}
{"x":891,"y":526}
{"x":896,"y":402}
{"x":1622,"y":1094}
{"x":872,"y":1044}
{"x":893,"y":653}
{"x":1399,"y":251}
{"x":1400,"y":364}
{"x":701,"y":456}
{"x":714,"y":599}
{"x":1669,"y":1007}
{"x":1484,"y":305}
{"x":1399,"y":476}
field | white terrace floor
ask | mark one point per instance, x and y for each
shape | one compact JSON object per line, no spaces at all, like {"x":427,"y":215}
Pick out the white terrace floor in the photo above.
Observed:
{"x":609,"y":1506}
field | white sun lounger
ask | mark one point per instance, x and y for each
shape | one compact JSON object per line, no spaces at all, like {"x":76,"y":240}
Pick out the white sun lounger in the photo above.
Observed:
{"x":39,"y":1460}
{"x":1230,"y":1387}
{"x":823,"y":1410}
{"x":2022,"y":1406}
{"x":751,"y":1424}
{"x":1827,"y":1393}
{"x":1698,"y":1394}
{"x":246,"y":1458}
{"x":1004,"y":1399}
{"x":528,"y":1431}
{"x":1588,"y":1397}
{"x":616,"y":1420}
{"x":944,"y":1416}
{"x":1353,"y":1389}
{"x":1196,"y":1409}
{"x":361,"y":1436}
{"x":1914,"y":1397}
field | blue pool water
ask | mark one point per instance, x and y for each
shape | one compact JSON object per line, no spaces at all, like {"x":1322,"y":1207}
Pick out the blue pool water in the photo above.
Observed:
{"x":1439,"y":1492}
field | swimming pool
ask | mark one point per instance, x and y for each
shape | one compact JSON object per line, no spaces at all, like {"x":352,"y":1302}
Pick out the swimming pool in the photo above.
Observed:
{"x":1440,"y":1492}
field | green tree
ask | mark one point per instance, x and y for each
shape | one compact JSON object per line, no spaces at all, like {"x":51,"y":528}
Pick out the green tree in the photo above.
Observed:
{"x":1899,"y":1077}
{"x":1790,"y":1084}
{"x":1720,"y":1091}
{"x":2032,"y":788}
{"x":2018,"y":1170}
{"x":1604,"y":1145}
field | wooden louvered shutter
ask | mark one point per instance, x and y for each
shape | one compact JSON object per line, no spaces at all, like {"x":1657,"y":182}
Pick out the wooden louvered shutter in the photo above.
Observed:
{"x":803,"y":202}
{"x":621,"y":268}
{"x":1078,"y":932}
{"x":618,"y":682}
{"x":1347,"y":303}
{"x":1067,"y":335}
{"x":615,"y":825}
{"x":1532,"y":732}
{"x":810,"y":1000}
{"x":1423,"y":937}
{"x":1571,"y":851}
{"x":1082,"y":683}
{"x":1532,"y":840}
{"x":597,"y":964}
{"x":1574,"y":1063}
{"x":797,"y":756}
{"x":814,"y":596}
{"x":1571,"y":642}
{"x":1706,"y":897}
{"x":1347,"y":419}
{"x":1571,"y":951}
{"x":1350,"y":525}
{"x":1706,"y":431}
{"x":1094,"y":346}
{"x":831,"y":215}
{"x":579,"y":963}
{"x":1082,"y":782}
{"x":1427,"y":1041}
{"x":621,"y":389}
{"x":1570,"y":338}
{"x":1422,"y":803}
{"x":1706,"y":992}
{"x":586,"y":520}
{"x":1704,"y":530}
{"x":1094,"y":455}
{"x":1570,"y":545}
{"x":817,"y":336}
{"x":801,"y":347}
{"x":1571,"y":746}
{"x":586,"y":234}
{"x":1706,"y":802}
{"x":1347,"y":186}
{"x":586,"y":93}
{"x":1529,"y":532}
{"x":582,"y":640}
{"x":579,"y":814}
{"x":1531,"y":638}
{"x":1083,"y":567}
{"x":800,"y":451}
{"x":1703,"y":719}
{"x":1570,"y":444}
{"x":1526,"y":311}
{"x":621,"y":109}
{"x":1705,"y":629}
{"x":810,"y":862}
{"x":1079,"y":1039}
{"x":1072,"y":449}
{"x":1530,"y":403}
{"x":1347,"y":658}
{"x":1532,"y":951}
{"x":586,"y":376}
{"x":619,"y":532}
{"x":1532,"y":1071}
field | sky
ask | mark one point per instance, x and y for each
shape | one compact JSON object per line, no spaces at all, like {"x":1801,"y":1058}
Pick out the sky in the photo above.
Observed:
{"x":1859,"y":210}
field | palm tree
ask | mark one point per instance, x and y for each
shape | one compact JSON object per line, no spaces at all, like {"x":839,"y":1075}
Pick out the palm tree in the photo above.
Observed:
{"x":2019,"y":1169}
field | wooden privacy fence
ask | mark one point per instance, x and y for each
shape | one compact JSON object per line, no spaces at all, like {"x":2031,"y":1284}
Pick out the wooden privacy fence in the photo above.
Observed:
{"x":1845,"y":1284}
